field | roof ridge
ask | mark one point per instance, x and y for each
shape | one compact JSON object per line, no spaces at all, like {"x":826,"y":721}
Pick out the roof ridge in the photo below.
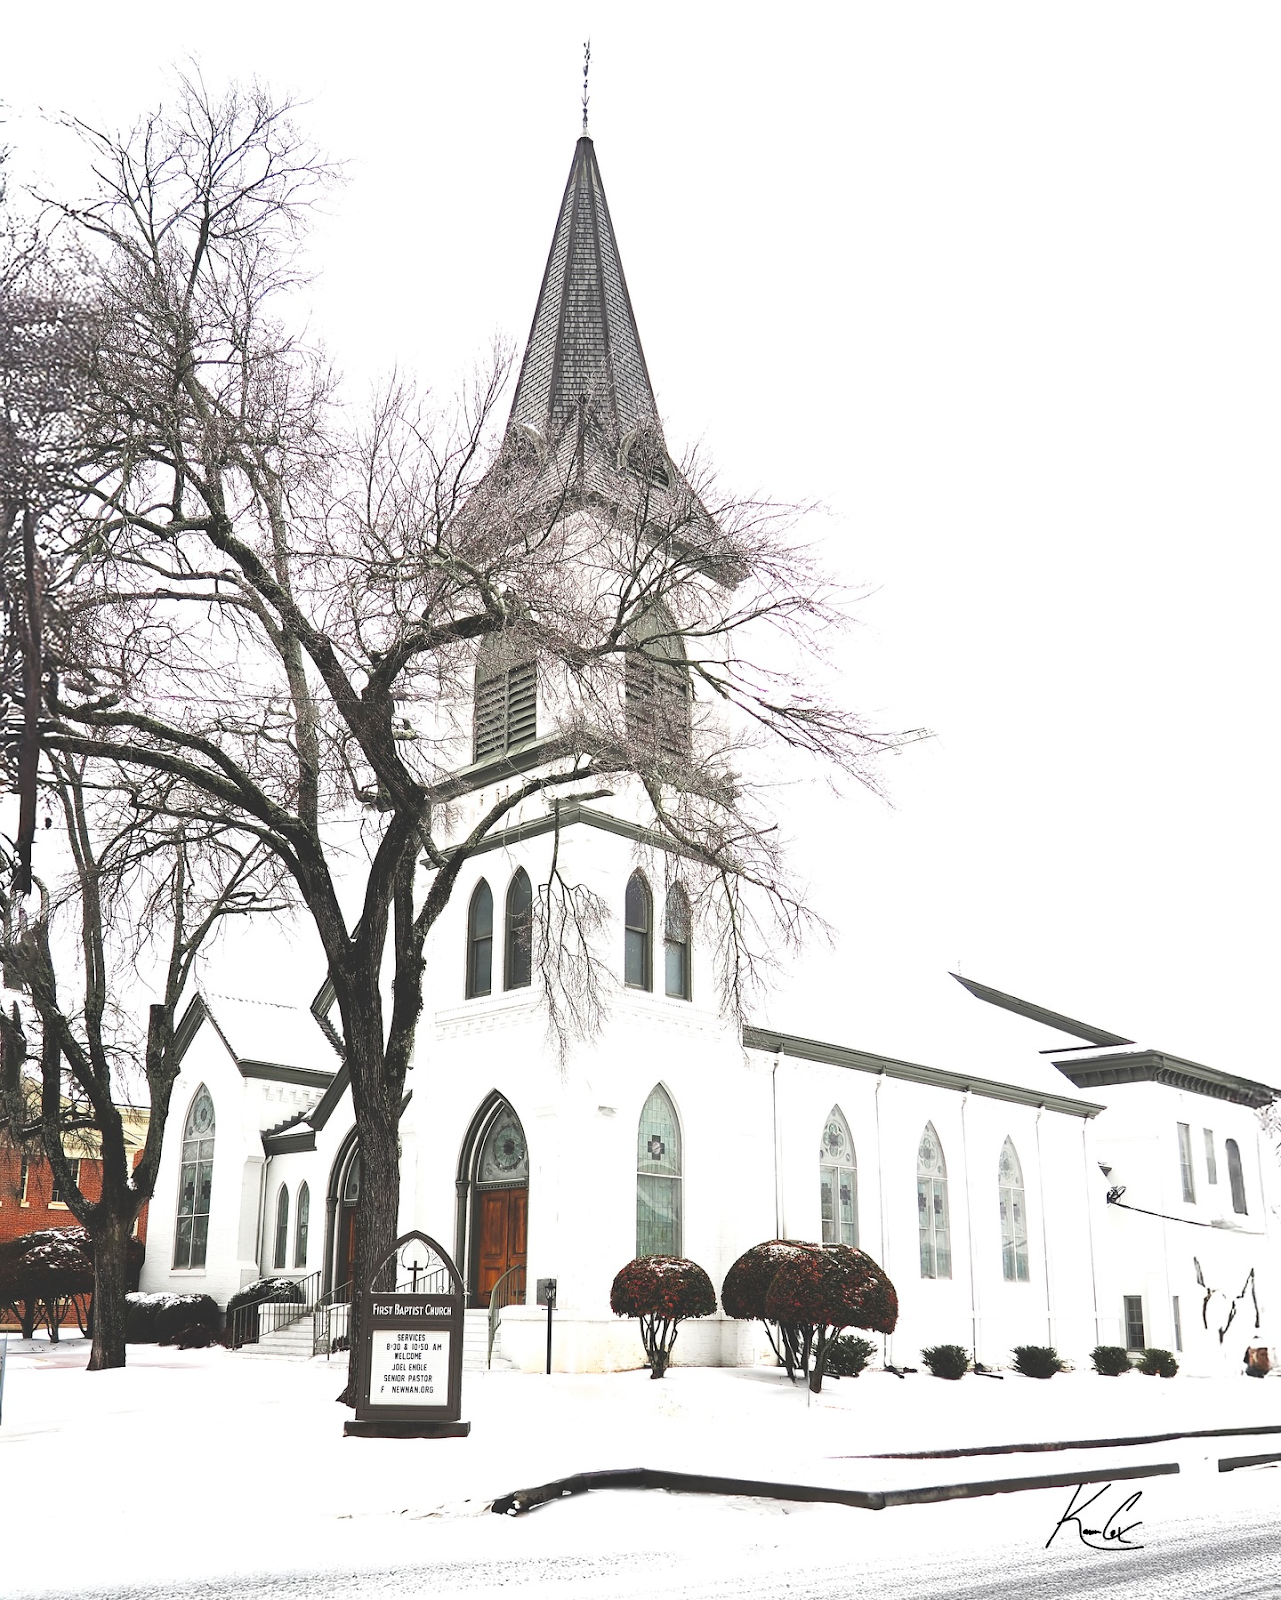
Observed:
{"x":245,"y":1000}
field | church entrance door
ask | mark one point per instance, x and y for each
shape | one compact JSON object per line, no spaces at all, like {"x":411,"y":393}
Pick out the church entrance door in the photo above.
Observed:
{"x":499,"y":1208}
{"x":501,"y":1236}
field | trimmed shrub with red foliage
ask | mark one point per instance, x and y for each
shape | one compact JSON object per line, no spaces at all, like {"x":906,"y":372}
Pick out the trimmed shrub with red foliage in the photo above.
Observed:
{"x":45,"y":1274}
{"x":661,"y":1291}
{"x":835,"y":1288}
{"x":743,"y":1296}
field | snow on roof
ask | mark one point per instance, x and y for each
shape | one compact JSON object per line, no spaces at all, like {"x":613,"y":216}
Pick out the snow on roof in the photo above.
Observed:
{"x":271,"y":1031}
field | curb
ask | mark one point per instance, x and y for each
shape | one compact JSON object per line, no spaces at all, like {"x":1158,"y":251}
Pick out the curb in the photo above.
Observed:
{"x":520,"y":1501}
{"x":1063,"y":1444}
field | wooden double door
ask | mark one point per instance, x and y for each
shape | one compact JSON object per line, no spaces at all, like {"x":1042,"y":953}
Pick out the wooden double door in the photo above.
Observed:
{"x":500,"y":1218}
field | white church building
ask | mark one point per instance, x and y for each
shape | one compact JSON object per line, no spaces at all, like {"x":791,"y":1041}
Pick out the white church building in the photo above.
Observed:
{"x":1042,"y":1181}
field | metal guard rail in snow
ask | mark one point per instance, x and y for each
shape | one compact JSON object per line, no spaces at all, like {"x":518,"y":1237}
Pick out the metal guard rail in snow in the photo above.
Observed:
{"x":505,"y":1293}
{"x":253,"y":1322}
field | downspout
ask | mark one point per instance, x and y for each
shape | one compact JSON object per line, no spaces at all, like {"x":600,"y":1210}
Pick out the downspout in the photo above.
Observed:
{"x":1045,"y":1237}
{"x":1089,"y":1223}
{"x":262,"y":1209}
{"x":969,"y":1228}
{"x":880,"y":1205}
{"x":778,"y":1165}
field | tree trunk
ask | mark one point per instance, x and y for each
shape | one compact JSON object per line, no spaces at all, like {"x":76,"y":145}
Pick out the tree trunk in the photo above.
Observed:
{"x":27,"y":1316}
{"x":53,"y":1319}
{"x":378,"y":1212}
{"x":110,"y":1265}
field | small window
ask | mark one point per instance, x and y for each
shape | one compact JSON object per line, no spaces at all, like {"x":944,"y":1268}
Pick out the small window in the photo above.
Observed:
{"x":195,"y":1184}
{"x":351,"y":1189}
{"x":301,"y":1227}
{"x":838,"y":1181}
{"x":659,"y":1224}
{"x":23,"y":1180}
{"x":1185,"y":1162}
{"x":281,"y":1257}
{"x":1236,"y":1176}
{"x":57,"y":1196}
{"x":518,"y":967}
{"x":1014,"y":1255}
{"x":1211,"y":1164}
{"x":1134,"y":1336}
{"x":480,"y":941}
{"x":931,"y":1205}
{"x":676,"y":944}
{"x":638,"y":918}
{"x":1178,"y":1324}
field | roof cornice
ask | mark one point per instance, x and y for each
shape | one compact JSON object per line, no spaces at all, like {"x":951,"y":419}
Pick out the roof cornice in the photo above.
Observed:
{"x":1155,"y":1066}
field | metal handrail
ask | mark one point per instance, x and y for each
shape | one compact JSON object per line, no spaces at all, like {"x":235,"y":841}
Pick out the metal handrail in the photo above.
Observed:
{"x":335,"y":1304}
{"x":498,"y":1299}
{"x":250,"y":1322}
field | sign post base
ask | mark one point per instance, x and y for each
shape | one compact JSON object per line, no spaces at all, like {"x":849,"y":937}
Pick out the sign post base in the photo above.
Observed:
{"x":389,"y":1428}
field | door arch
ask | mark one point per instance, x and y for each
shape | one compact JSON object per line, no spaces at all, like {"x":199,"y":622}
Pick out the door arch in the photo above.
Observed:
{"x":494,"y":1197}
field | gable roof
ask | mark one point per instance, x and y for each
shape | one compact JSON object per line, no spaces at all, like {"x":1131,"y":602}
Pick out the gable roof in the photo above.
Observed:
{"x":264,"y":1039}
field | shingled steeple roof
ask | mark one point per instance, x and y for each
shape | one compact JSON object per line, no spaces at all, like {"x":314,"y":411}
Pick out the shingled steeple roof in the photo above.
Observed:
{"x":584,"y":352}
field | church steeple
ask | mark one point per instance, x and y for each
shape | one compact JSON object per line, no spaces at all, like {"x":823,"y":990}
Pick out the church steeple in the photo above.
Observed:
{"x":584,"y":352}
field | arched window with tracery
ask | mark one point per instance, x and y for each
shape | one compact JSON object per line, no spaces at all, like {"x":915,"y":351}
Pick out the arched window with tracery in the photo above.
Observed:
{"x":480,"y":941}
{"x":638,"y":934}
{"x":191,"y":1238}
{"x":506,"y":704}
{"x":659,"y":1223}
{"x":657,"y":687}
{"x":518,"y":964}
{"x":1014,"y":1257}
{"x":1236,"y":1176}
{"x":931,"y":1207}
{"x":301,"y":1226}
{"x":838,"y":1181}
{"x":280,"y":1257}
{"x":676,"y":944}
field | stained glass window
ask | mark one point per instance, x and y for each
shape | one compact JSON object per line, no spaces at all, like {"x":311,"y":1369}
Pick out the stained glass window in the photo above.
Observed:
{"x":480,"y":941}
{"x":658,"y":1178}
{"x":931,"y":1206}
{"x":351,"y":1189}
{"x":194,"y":1185}
{"x":638,"y":918}
{"x":281,"y":1257}
{"x":1014,"y":1256}
{"x":518,"y":967}
{"x":838,"y":1181}
{"x":676,"y":962}
{"x":301,"y":1226}
{"x":504,"y":1158}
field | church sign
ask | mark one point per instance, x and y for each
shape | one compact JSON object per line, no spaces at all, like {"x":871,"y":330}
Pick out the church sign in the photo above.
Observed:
{"x":410,"y":1372}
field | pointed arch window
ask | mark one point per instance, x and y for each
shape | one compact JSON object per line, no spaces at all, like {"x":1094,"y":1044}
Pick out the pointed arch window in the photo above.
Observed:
{"x":280,"y":1257}
{"x":518,"y":965}
{"x":676,"y":944}
{"x":506,"y":702}
{"x":638,"y":940}
{"x":480,"y":941}
{"x":838,"y":1181}
{"x":659,"y":1222}
{"x":1014,"y":1257}
{"x":657,"y":687}
{"x":1236,"y":1176}
{"x":195,"y":1185}
{"x":301,"y":1226}
{"x":931,"y":1207}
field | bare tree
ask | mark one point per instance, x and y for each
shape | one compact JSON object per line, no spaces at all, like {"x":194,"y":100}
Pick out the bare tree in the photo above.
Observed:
{"x":144,"y":883}
{"x":287,"y":611}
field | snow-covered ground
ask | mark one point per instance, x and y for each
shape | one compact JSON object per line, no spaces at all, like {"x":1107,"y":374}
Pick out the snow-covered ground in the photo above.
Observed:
{"x":218,"y":1464}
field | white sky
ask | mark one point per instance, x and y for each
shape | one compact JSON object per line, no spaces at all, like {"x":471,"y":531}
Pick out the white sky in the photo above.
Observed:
{"x":996,"y":283}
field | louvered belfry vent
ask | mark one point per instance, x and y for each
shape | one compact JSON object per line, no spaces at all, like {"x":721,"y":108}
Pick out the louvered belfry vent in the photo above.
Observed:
{"x":657,"y":693}
{"x":506,"y":710}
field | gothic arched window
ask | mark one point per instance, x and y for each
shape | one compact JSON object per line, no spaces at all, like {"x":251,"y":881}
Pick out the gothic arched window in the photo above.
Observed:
{"x":192,"y":1236}
{"x":657,"y":688}
{"x":281,"y":1257}
{"x":838,"y":1181}
{"x":301,"y":1226}
{"x":931,"y":1207}
{"x":518,"y":966}
{"x":480,"y":941}
{"x":658,"y":1178}
{"x":506,"y":704}
{"x":1236,"y":1177}
{"x":1014,"y":1259}
{"x":676,"y":944}
{"x":638,"y":922}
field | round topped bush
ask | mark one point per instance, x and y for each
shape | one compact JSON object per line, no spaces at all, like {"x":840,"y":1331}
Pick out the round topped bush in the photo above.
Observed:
{"x":747,"y":1282}
{"x":660,"y":1292}
{"x":834,"y":1288}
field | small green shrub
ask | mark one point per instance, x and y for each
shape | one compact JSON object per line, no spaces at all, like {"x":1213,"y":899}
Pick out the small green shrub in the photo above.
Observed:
{"x":1110,"y":1360}
{"x":848,"y":1355}
{"x":183,"y":1315}
{"x":1158,"y":1363}
{"x":946,"y":1360}
{"x":141,"y":1314}
{"x":1037,"y":1360}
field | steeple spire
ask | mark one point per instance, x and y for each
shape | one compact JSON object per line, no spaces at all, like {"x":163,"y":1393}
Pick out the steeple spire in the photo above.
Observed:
{"x":587,"y":61}
{"x":584,"y":352}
